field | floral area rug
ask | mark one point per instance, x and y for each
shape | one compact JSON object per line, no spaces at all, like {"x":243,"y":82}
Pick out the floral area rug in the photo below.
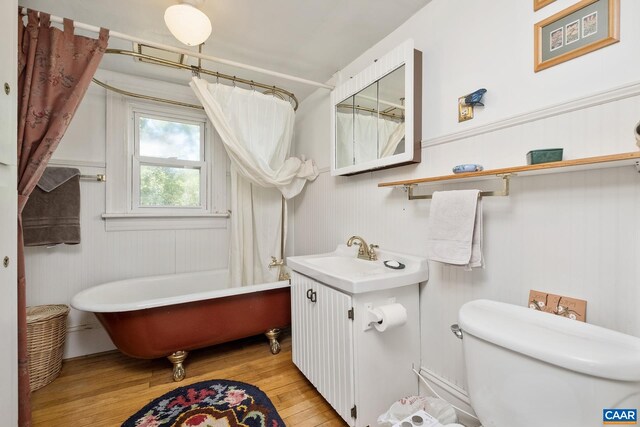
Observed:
{"x":216,"y":403}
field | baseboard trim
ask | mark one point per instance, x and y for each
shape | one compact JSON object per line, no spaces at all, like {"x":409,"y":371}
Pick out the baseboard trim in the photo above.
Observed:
{"x":86,"y":356}
{"x":598,"y":98}
{"x":82,"y":327}
{"x":86,"y":339}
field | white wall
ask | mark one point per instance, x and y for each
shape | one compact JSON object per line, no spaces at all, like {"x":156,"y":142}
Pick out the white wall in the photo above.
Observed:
{"x":574,"y":234}
{"x":54,"y":275}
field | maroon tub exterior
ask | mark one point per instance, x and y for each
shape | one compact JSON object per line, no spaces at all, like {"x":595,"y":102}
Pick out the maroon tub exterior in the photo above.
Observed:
{"x":161,"y":331}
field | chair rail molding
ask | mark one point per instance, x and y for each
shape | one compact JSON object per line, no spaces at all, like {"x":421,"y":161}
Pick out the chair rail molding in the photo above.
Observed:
{"x":581,"y":103}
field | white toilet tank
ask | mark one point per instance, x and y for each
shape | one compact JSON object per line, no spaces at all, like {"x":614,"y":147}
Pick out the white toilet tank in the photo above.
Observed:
{"x":526,"y":368}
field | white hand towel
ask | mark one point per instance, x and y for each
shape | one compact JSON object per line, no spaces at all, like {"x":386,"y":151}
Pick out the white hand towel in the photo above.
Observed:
{"x":476,"y":259}
{"x":455,"y":228}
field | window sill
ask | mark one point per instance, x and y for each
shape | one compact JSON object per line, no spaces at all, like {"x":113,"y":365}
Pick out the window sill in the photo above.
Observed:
{"x":135,"y":221}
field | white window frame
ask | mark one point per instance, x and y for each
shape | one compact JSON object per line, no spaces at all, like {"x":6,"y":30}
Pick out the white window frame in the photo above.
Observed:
{"x":123,"y":212}
{"x":204,"y":165}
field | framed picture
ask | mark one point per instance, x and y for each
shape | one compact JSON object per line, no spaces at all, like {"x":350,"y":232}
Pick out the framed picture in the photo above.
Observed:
{"x":579,"y":29}
{"x":539,"y":4}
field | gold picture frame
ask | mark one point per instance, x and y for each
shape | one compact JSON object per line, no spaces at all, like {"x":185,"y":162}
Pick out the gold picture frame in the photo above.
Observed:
{"x":539,"y":4}
{"x":575,"y":31}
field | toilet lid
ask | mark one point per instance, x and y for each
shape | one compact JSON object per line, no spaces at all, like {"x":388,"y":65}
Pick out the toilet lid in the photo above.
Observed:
{"x":563,"y":342}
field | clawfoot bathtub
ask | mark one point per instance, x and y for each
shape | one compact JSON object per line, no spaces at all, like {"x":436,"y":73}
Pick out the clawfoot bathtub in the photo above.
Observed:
{"x":169,"y":315}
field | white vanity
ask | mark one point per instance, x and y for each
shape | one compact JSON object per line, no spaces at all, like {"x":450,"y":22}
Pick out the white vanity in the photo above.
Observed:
{"x":337,"y":300}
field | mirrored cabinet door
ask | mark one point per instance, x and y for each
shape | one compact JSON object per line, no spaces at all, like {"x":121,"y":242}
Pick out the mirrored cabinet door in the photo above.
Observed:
{"x":365,"y":132}
{"x":391,"y":115}
{"x":344,"y":133}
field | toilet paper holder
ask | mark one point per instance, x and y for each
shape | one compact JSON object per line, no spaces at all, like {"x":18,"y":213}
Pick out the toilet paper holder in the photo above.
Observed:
{"x":373,"y":316}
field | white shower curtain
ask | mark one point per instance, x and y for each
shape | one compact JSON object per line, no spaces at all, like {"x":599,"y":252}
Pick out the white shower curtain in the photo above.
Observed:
{"x":256,"y":131}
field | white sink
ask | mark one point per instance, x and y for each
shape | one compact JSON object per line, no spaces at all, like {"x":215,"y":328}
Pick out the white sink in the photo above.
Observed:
{"x":341,"y":269}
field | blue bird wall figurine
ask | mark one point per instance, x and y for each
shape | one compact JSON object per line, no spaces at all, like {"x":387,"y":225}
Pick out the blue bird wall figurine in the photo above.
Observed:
{"x":475,"y":98}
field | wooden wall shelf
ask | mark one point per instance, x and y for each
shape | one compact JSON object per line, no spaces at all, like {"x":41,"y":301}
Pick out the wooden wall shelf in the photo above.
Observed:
{"x":613,"y":160}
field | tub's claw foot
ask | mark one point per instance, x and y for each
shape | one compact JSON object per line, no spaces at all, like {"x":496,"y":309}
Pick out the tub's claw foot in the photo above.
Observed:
{"x":178,"y":369}
{"x":273,"y":335}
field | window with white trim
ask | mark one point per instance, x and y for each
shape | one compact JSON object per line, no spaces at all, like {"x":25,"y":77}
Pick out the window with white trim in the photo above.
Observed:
{"x":165,"y":165}
{"x":169,"y":163}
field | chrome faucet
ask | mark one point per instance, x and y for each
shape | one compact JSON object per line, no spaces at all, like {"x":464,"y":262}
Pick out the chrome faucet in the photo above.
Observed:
{"x":364,"y":251}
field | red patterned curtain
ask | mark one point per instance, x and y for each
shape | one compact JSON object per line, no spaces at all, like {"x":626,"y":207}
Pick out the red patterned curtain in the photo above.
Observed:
{"x":55,"y":68}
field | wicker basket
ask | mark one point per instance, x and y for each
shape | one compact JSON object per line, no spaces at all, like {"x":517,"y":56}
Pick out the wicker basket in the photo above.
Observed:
{"x":46,"y":332}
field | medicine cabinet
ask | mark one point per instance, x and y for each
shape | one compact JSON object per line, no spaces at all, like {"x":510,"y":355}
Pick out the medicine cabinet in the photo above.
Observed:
{"x":377,"y":114}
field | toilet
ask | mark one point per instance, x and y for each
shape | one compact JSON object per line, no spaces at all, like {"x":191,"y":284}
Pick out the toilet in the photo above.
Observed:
{"x":526,"y":368}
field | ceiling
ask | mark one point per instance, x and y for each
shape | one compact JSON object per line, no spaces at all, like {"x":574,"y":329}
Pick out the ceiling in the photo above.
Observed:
{"x":311,"y":39}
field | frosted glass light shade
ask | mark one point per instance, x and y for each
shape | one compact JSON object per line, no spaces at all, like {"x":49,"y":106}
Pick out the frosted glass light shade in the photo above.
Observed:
{"x":187,"y":24}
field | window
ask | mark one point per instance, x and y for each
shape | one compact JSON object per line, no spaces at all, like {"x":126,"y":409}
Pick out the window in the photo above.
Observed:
{"x":169,"y":163}
{"x":165,"y":165}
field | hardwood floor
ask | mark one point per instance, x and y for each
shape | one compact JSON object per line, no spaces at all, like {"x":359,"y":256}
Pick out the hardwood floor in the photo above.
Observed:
{"x":104,"y":390}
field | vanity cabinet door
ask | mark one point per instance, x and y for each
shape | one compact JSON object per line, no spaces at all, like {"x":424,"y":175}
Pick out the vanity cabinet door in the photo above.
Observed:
{"x":322,"y":336}
{"x":304,"y":320}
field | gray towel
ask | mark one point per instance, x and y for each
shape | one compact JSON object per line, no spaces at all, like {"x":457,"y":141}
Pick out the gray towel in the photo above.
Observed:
{"x":52,"y":214}
{"x":52,"y":178}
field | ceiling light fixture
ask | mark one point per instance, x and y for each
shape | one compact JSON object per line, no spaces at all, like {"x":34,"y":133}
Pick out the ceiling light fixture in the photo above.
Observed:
{"x":187,"y":23}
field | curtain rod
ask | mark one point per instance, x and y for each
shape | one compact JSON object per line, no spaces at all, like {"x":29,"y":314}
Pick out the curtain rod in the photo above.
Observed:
{"x":133,"y":39}
{"x":277,"y":91}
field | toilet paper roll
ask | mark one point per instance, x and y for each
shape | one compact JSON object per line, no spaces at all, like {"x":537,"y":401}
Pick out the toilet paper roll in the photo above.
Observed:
{"x":391,"y":315}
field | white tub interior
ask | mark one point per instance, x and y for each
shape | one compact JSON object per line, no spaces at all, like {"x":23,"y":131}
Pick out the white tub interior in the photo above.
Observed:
{"x":158,"y":291}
